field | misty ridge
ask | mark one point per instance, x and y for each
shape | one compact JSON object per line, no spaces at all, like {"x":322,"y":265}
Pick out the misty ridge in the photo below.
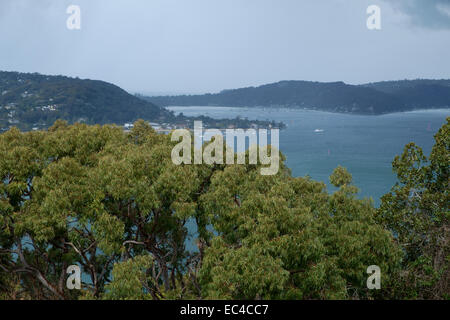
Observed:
{"x":368,"y":99}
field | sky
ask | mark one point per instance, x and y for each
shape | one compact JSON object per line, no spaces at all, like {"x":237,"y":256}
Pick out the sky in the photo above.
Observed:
{"x":197,"y":46}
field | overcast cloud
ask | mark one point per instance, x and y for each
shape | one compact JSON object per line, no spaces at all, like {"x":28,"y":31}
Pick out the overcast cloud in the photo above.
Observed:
{"x":192,"y":46}
{"x":425,"y":13}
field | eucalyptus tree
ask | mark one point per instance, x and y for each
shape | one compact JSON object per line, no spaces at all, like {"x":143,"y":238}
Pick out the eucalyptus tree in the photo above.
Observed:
{"x":417,"y":211}
{"x":116,"y":205}
{"x":91,"y":196}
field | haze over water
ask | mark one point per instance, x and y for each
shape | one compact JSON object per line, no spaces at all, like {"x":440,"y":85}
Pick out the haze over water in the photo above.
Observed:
{"x":365,"y":145}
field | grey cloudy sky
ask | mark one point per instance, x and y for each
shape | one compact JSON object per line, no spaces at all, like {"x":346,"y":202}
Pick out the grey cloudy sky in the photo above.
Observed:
{"x":182,"y":46}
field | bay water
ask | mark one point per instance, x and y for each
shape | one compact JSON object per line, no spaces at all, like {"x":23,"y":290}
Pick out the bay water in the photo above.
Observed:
{"x":315,"y":142}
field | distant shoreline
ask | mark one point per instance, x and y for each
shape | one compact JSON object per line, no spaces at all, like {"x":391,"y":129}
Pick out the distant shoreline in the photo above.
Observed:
{"x":335,"y":97}
{"x":312,"y":110}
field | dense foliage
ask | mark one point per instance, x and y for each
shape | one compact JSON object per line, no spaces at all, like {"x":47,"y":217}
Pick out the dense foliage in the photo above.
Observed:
{"x":417,"y":210}
{"x":374,"y":98}
{"x":115,"y":204}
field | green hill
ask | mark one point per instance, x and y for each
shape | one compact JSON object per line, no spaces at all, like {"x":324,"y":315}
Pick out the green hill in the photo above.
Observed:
{"x":32,"y":100}
{"x":417,"y":94}
{"x":38,"y":100}
{"x":375,"y":98}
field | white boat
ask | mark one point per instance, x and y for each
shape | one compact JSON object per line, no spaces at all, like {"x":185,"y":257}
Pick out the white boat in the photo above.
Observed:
{"x":318,"y":130}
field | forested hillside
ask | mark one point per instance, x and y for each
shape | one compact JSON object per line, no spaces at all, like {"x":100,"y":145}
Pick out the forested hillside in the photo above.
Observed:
{"x":417,"y":94}
{"x":375,"y":98}
{"x":35,"y":101}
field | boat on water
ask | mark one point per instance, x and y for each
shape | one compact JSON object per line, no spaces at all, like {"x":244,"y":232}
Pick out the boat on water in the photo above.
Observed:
{"x":318,"y":130}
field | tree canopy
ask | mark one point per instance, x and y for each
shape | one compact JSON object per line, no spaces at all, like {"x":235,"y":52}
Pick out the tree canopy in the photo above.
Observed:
{"x":115,"y":204}
{"x":417,"y":211}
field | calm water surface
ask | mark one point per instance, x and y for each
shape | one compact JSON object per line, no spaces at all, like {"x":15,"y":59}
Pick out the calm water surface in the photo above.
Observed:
{"x":365,"y":145}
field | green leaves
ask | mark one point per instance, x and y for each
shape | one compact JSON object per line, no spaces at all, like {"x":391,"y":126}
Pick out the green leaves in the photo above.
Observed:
{"x":115,"y":204}
{"x":307,"y":242}
{"x":340,"y":177}
{"x":108,"y":231}
{"x":129,"y":280}
{"x":243,"y":273}
{"x":417,"y":211}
